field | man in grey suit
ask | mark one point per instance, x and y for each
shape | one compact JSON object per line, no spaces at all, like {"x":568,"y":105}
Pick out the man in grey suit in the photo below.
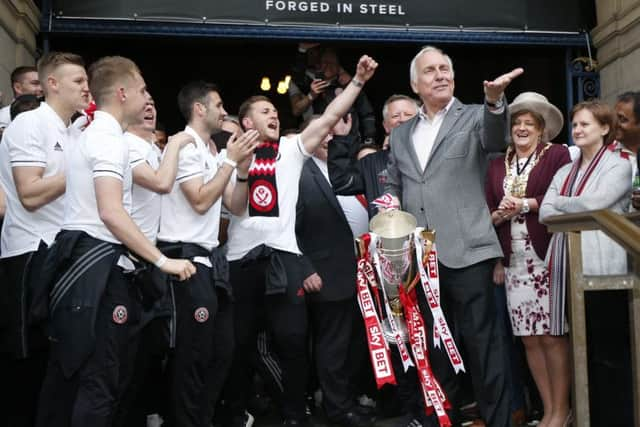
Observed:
{"x":436,"y":170}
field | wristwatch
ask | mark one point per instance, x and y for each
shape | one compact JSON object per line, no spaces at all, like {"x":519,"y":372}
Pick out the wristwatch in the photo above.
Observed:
{"x":525,"y":206}
{"x":498,"y":104}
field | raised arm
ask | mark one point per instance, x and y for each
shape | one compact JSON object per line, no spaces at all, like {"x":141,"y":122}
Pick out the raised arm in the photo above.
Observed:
{"x":495,"y":134}
{"x":315,"y":133}
{"x":393,"y":184}
{"x":344,"y":168}
{"x":161,"y":180}
{"x":236,"y":194}
{"x":202,"y":196}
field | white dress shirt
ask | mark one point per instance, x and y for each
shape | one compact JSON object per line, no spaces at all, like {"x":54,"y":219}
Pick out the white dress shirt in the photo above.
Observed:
{"x":426,"y":131}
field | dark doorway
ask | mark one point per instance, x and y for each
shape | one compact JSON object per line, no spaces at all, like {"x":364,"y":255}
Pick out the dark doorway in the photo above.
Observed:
{"x":237,"y":66}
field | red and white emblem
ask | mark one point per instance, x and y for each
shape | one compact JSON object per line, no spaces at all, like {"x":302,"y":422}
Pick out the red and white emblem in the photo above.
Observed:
{"x":386,"y":201}
{"x":119,"y":315}
{"x":201,"y":314}
{"x":262,"y":196}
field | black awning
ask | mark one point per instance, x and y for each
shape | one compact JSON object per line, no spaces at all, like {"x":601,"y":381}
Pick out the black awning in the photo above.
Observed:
{"x":543,"y":22}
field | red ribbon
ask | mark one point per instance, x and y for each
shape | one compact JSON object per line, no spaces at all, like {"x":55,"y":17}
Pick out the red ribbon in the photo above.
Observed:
{"x":432,"y":392}
{"x":90,"y":111}
{"x":378,"y":347}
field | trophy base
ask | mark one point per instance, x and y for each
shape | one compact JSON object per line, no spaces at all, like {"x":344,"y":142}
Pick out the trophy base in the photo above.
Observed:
{"x":388,"y":332}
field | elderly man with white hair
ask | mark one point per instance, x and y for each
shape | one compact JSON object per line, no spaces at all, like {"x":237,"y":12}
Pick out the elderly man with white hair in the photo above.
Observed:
{"x":436,"y":171}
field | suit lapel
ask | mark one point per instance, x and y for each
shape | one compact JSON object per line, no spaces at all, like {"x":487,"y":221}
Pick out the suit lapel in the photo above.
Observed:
{"x":448,"y":123}
{"x":326,"y":189}
{"x":411,"y":150}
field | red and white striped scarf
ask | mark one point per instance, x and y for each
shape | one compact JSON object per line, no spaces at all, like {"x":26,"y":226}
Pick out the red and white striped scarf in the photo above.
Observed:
{"x":573,"y":186}
{"x":263,"y":190}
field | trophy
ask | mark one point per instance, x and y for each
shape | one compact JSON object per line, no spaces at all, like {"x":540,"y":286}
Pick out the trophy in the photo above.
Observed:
{"x":396,"y":258}
{"x":393,"y":259}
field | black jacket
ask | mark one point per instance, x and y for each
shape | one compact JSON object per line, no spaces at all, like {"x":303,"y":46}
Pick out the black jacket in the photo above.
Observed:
{"x":351,"y":176}
{"x":76,"y":271}
{"x":325,"y":237}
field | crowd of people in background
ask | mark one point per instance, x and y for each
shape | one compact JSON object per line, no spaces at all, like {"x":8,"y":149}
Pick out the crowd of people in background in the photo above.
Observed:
{"x":207,"y":277}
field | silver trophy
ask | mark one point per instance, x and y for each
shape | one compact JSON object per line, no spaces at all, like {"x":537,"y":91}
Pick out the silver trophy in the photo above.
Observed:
{"x":397,"y":263}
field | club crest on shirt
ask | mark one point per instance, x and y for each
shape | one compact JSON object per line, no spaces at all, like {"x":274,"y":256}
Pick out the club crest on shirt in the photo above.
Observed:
{"x":57,"y":147}
{"x":201,"y":314}
{"x":120,"y":315}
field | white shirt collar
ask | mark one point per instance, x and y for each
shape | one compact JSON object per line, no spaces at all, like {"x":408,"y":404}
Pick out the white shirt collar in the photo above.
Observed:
{"x":136,"y":137}
{"x":53,"y":115}
{"x":108,"y":120}
{"x":195,"y":135}
{"x":423,"y":114}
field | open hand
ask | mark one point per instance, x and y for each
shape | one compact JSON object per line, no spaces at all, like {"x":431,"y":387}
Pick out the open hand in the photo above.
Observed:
{"x":241,"y":147}
{"x":318,"y":86}
{"x":494,"y":89}
{"x":182,"y":139}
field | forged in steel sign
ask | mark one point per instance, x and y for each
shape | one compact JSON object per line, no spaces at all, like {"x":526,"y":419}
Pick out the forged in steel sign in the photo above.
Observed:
{"x":535,"y":15}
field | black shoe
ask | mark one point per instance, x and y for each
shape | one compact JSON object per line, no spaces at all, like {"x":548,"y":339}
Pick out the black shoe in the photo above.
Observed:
{"x":354,"y":419}
{"x":409,"y":420}
{"x":366,"y":411}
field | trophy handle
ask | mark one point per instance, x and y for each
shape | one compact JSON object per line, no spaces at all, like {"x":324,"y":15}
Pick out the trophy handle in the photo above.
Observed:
{"x":429,"y":237}
{"x":361,"y":248}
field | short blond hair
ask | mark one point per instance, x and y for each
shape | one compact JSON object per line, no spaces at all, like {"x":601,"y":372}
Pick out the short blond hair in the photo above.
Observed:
{"x":52,"y":60}
{"x":108,"y":71}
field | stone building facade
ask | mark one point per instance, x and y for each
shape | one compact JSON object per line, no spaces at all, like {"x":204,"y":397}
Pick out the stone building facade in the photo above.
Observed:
{"x":617,"y":38}
{"x":19,"y":25}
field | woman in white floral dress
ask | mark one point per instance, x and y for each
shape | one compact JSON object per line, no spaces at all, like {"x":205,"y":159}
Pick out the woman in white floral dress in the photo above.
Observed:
{"x":516,"y":185}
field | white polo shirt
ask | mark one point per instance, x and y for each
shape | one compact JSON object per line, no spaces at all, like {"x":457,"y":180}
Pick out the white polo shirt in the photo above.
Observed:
{"x":101,"y":151}
{"x":179,"y":222}
{"x":245,"y":232}
{"x":145,"y":204}
{"x":5,"y":116}
{"x":35,"y":138}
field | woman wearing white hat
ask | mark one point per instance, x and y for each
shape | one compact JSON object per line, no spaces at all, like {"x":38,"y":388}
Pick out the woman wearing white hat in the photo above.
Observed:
{"x":516,"y":184}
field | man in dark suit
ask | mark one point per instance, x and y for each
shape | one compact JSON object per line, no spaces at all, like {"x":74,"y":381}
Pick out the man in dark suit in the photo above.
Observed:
{"x":436,"y":170}
{"x":326,"y":240}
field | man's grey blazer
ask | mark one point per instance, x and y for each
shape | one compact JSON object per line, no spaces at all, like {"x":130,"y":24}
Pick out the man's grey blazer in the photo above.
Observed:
{"x":448,"y":196}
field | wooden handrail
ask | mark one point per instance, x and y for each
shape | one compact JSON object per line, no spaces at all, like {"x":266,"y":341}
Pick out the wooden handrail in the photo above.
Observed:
{"x":624,"y":230}
{"x":620,"y":228}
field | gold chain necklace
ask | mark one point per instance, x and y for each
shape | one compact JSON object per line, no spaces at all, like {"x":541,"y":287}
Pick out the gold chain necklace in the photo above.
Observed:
{"x":517,"y":185}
